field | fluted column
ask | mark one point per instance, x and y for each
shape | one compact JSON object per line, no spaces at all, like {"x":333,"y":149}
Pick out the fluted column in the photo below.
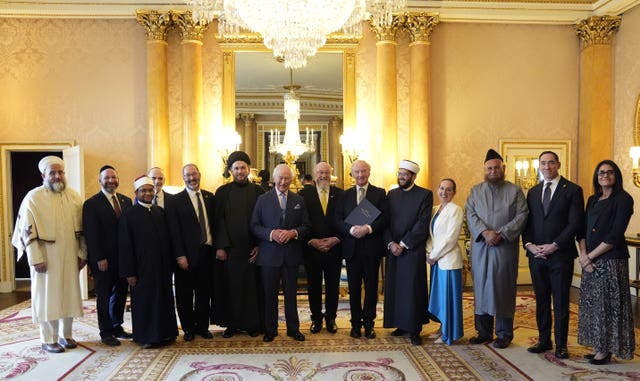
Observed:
{"x":158,"y":148}
{"x":249,"y":134}
{"x":386,"y":130}
{"x":595,"y":133}
{"x":420,"y":26}
{"x":335,"y":150}
{"x":191,"y":33}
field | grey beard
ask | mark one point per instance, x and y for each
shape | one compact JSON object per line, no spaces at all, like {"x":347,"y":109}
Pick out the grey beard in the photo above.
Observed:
{"x":55,"y":187}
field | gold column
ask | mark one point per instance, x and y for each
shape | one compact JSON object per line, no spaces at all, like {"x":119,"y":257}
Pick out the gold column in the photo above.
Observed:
{"x":335,"y":150}
{"x":349,"y":113}
{"x":158,"y":147}
{"x":191,"y":32}
{"x":249,"y":134}
{"x":386,"y":129}
{"x":420,"y":26}
{"x":595,"y":132}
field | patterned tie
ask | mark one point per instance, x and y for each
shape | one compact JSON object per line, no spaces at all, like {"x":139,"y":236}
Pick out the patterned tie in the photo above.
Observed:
{"x":324,"y":201}
{"x":201,"y":220}
{"x":283,"y":206}
{"x":116,"y":206}
{"x":155,"y":199}
{"x":360,"y":195}
{"x":546,"y":198}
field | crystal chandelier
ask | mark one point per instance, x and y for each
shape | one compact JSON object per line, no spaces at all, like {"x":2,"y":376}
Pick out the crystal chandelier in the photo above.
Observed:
{"x":294,"y":29}
{"x":291,"y":144}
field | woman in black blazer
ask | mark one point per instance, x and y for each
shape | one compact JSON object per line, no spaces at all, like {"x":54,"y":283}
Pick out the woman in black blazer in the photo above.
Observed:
{"x":605,"y":320}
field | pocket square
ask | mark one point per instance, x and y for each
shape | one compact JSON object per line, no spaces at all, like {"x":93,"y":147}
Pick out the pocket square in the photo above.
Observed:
{"x":298,"y":206}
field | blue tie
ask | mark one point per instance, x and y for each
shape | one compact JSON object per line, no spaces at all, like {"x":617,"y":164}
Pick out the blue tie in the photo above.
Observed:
{"x":283,"y":205}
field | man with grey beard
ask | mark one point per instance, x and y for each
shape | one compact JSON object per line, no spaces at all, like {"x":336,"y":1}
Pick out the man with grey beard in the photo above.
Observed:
{"x":49,"y":229}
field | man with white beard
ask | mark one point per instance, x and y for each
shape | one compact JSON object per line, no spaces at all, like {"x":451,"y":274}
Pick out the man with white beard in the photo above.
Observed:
{"x":49,"y":229}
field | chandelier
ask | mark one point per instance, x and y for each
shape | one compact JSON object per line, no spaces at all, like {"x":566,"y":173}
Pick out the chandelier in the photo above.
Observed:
{"x":291,"y":144}
{"x":294,"y":29}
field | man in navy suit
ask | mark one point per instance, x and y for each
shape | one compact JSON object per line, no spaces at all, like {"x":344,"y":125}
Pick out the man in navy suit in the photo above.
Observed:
{"x":362,"y":247}
{"x":556,"y":214}
{"x":280,"y":224}
{"x":190,"y":216}
{"x":322,"y":258}
{"x":100,"y":215}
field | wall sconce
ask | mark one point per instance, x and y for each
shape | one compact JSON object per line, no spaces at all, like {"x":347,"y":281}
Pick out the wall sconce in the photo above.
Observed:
{"x":228,"y":141}
{"x":349,"y":143}
{"x":527,"y":172}
{"x":634,"y":152}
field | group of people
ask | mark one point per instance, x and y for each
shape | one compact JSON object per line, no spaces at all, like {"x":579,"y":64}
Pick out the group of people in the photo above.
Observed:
{"x":228,"y":254}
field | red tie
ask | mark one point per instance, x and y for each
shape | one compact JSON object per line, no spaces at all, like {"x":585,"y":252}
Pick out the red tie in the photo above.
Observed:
{"x":116,"y":206}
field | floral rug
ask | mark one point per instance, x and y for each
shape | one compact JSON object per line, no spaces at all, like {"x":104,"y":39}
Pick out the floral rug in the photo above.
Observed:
{"x":321,"y":357}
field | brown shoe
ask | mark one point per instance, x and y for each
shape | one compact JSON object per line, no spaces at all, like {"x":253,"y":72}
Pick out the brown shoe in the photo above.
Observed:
{"x":52,"y":348}
{"x":67,"y":343}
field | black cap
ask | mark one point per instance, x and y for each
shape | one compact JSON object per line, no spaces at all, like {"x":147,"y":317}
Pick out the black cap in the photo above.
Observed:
{"x":237,"y":156}
{"x":491,"y":154}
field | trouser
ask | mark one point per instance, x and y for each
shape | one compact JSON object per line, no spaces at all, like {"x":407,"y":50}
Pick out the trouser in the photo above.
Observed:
{"x":51,"y":330}
{"x":504,"y":327}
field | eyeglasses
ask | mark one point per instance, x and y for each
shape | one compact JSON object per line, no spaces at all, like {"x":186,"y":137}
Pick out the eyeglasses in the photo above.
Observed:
{"x":609,"y":172}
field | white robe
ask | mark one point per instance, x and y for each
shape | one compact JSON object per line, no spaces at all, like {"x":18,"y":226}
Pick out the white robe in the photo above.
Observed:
{"x":49,"y":229}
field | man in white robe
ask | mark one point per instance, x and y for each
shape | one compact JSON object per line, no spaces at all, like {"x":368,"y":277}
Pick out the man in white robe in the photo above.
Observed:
{"x":49,"y":229}
{"x":496,"y":216}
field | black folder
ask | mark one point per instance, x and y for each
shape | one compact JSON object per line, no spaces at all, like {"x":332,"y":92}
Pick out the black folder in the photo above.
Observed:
{"x":363,"y":214}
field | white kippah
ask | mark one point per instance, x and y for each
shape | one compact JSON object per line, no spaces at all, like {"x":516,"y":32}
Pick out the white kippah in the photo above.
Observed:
{"x":47,"y":161}
{"x":140,"y":181}
{"x":409,"y":166}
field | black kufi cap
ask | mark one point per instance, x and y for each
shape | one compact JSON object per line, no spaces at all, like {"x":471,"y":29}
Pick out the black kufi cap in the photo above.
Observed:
{"x":491,"y":154}
{"x":238,"y":156}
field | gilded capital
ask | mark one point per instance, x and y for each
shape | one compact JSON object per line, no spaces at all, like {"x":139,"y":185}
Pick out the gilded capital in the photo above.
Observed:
{"x":386,"y":33}
{"x":419,"y":25}
{"x":190,"y":29}
{"x":597,"y":29}
{"x":156,"y":24}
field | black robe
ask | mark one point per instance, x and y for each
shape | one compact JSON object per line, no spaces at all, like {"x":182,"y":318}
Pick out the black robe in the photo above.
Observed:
{"x":405,"y":287}
{"x":145,"y":252}
{"x":237,"y":298}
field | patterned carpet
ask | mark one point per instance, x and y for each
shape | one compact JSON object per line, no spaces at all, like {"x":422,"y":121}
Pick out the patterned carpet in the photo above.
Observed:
{"x":321,"y":357}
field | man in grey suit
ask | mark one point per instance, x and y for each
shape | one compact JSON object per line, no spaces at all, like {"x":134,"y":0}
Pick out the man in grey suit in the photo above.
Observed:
{"x":556,"y":214}
{"x":280,"y":223}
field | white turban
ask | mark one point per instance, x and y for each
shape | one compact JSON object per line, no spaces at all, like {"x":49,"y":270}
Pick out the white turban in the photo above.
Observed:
{"x":409,"y":166}
{"x":140,"y":181}
{"x":48,"y":161}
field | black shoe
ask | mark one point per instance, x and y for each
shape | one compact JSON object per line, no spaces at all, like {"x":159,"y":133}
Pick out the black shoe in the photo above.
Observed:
{"x":205,"y":334}
{"x":355,"y":333}
{"x":501,"y":343}
{"x":229,"y":332}
{"x":67,"y":343}
{"x":316,"y":326}
{"x":189,"y":336}
{"x":605,"y":360}
{"x":369,"y":333}
{"x":124,"y":335}
{"x":398,"y":332}
{"x":479,"y":340}
{"x":589,"y":356}
{"x":331,"y":326}
{"x":416,"y":339}
{"x":53,"y":348}
{"x":540,"y":347}
{"x":110,"y":341}
{"x":253,"y":333}
{"x":562,"y":353}
{"x":297,"y":335}
{"x":147,"y":346}
{"x":267,"y":338}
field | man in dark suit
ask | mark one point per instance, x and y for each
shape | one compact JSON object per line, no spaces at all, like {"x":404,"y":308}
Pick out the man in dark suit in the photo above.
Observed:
{"x":190,"y":215}
{"x":100,"y":215}
{"x":362,"y":247}
{"x":280,"y":224}
{"x":157,"y":176}
{"x":555,"y":217}
{"x":322,"y":258}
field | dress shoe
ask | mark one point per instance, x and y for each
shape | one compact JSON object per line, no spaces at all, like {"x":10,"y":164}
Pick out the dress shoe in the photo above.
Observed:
{"x":605,"y":360}
{"x":267,"y":338}
{"x":253,"y":333}
{"x":369,"y":333}
{"x":297,"y":335}
{"x":398,"y":332}
{"x":229,"y":332}
{"x":540,"y":347}
{"x":355,"y":333}
{"x":589,"y":356}
{"x":416,"y":339}
{"x":316,"y":326}
{"x":562,"y":353}
{"x":110,"y":341}
{"x":53,"y":348}
{"x":189,"y":336}
{"x":501,"y":343}
{"x":67,"y":343}
{"x":479,"y":340}
{"x":205,"y":334}
{"x":147,"y":346}
{"x":124,"y":335}
{"x":331,"y":326}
